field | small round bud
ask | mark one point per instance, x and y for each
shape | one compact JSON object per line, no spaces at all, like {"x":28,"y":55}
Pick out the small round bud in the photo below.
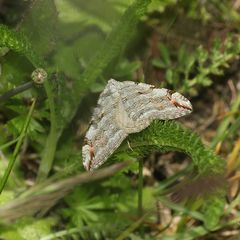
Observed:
{"x":39,"y":75}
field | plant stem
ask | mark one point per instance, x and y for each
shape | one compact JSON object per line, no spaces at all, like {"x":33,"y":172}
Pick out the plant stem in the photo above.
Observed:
{"x":17,"y":148}
{"x":16,"y":91}
{"x":132,"y":227}
{"x":51,"y":143}
{"x":6,"y":145}
{"x":222,"y":130}
{"x":140,"y":192}
{"x":140,"y":186}
{"x":63,"y":233}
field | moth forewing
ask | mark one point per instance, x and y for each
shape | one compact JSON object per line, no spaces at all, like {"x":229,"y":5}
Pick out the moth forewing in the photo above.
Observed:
{"x":124,"y":108}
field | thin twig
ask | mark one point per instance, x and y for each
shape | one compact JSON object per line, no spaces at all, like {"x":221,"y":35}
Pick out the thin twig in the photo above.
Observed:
{"x":140,"y":192}
{"x":21,"y":88}
{"x":17,"y":148}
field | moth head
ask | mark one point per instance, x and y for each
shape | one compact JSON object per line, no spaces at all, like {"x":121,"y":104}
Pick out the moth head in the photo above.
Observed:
{"x":180,"y":102}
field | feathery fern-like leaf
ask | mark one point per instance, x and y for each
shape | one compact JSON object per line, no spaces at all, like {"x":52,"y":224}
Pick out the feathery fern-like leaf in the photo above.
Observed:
{"x":19,"y":43}
{"x":170,"y":136}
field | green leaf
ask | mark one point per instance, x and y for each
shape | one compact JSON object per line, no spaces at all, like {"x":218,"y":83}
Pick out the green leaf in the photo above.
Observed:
{"x":99,"y":13}
{"x":160,"y":5}
{"x":169,"y":136}
{"x":28,"y":228}
{"x":15,"y":70}
{"x":164,"y":54}
{"x":19,"y":43}
{"x":15,"y":125}
{"x":159,"y":63}
{"x":40,"y":26}
{"x":6,"y":196}
{"x":73,"y":59}
{"x":126,"y":69}
{"x":169,"y":76}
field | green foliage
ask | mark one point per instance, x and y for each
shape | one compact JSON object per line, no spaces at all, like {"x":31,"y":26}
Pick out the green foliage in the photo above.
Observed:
{"x":19,"y":43}
{"x":82,"y":43}
{"x":89,"y":211}
{"x":15,"y":70}
{"x":112,"y":46}
{"x":101,"y":14}
{"x":229,"y":126}
{"x":91,"y":206}
{"x":193,"y":70}
{"x":159,"y":6}
{"x":41,"y":35}
{"x":17,"y":147}
{"x":6,"y":196}
{"x":28,"y":228}
{"x":169,"y":136}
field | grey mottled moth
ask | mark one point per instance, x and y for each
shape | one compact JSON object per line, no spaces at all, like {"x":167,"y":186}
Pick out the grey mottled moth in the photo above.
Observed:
{"x":124,"y":108}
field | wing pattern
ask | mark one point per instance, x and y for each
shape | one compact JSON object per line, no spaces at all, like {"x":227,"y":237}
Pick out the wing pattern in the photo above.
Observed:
{"x":124,"y":108}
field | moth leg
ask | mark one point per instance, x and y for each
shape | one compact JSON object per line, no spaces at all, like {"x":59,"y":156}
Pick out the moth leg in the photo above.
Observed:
{"x":130,"y":146}
{"x":88,"y":152}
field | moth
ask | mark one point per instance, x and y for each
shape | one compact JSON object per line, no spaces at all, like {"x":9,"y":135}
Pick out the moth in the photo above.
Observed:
{"x":124,"y":108}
